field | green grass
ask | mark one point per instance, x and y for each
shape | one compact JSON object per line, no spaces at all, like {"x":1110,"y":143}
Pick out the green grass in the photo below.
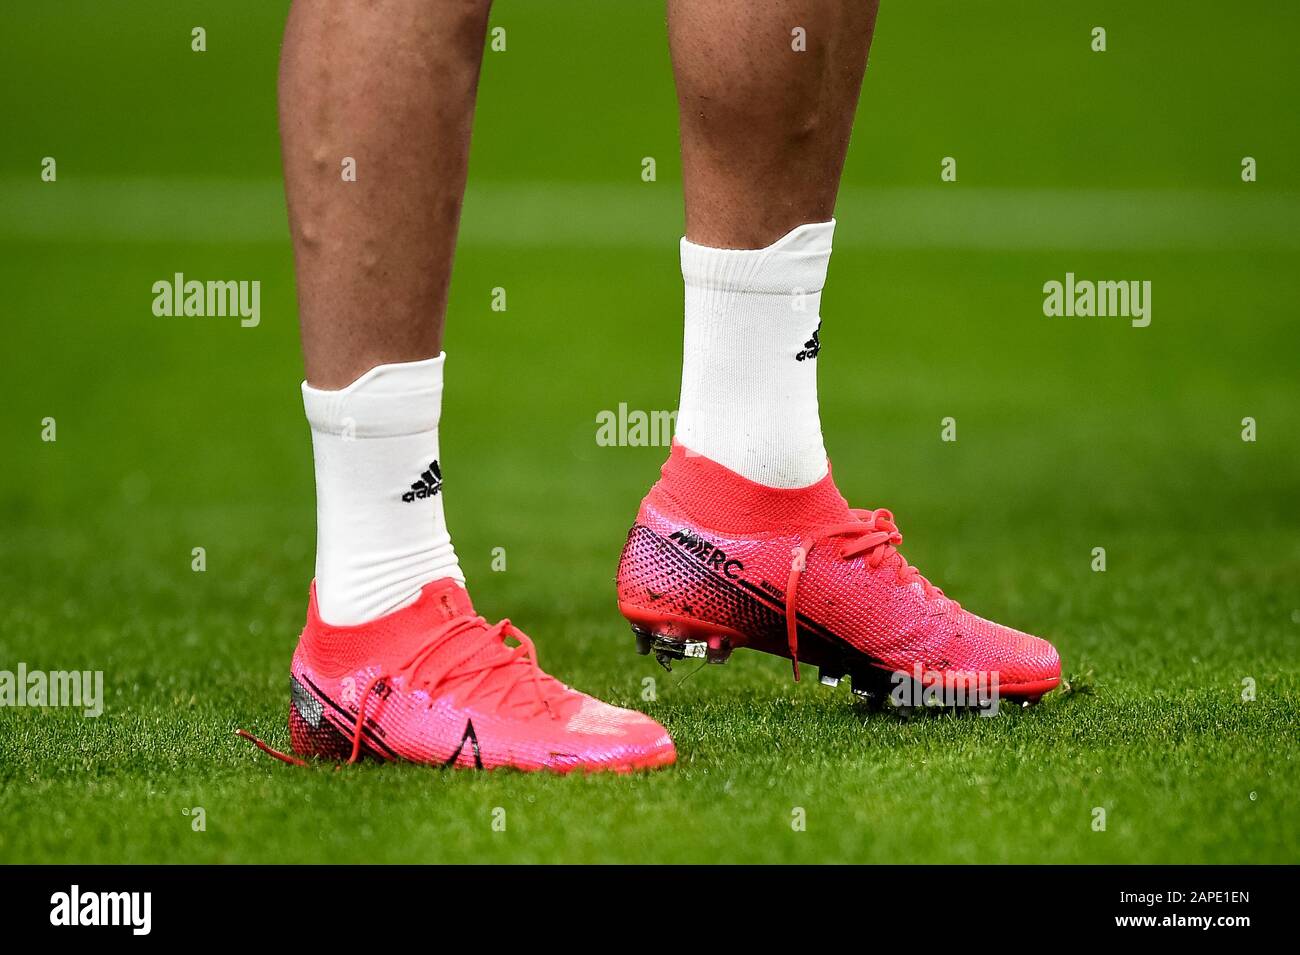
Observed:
{"x":1072,"y":434}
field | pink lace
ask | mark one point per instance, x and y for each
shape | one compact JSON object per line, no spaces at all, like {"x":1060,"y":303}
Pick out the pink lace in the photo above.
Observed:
{"x":460,"y":671}
{"x":875,"y":534}
{"x":430,"y":666}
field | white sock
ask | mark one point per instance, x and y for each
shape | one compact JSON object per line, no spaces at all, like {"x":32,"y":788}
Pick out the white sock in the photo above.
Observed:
{"x":749,"y":366}
{"x":380,"y":530}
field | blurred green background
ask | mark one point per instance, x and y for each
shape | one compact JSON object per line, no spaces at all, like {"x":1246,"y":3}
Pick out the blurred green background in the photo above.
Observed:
{"x":175,"y":433}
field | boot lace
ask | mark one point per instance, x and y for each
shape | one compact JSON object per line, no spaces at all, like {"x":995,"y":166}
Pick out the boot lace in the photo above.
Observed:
{"x":874,"y":533}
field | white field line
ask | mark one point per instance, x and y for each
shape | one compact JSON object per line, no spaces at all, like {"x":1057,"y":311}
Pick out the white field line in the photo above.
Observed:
{"x":648,"y":215}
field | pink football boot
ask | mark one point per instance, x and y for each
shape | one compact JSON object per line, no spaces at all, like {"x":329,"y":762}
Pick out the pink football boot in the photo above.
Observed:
{"x":715,"y":562}
{"x":435,"y":683}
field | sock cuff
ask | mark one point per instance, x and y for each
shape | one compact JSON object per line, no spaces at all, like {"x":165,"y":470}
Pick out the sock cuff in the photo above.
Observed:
{"x":796,"y":261}
{"x":387,"y":401}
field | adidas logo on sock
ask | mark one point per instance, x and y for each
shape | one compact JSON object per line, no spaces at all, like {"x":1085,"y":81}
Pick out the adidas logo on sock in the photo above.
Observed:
{"x":811,"y":347}
{"x":430,"y":483}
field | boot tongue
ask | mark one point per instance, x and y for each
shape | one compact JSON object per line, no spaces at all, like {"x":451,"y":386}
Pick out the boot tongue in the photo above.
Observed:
{"x":440,"y":602}
{"x":445,"y":600}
